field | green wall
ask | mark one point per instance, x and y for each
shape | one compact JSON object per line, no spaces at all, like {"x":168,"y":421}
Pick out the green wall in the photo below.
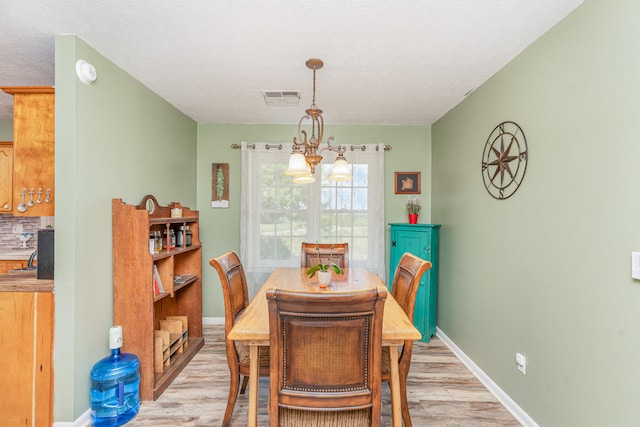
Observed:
{"x":220,"y":228}
{"x":114,"y":139}
{"x":547,"y":272}
{"x":6,"y":130}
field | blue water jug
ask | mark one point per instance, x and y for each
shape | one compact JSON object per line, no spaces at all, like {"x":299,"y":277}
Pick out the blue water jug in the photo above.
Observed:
{"x":115,"y":385}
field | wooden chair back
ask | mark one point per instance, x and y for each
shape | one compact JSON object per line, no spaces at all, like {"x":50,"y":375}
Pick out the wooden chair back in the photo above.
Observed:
{"x":234,"y":286}
{"x":406,"y":281}
{"x":404,"y":288}
{"x":316,"y":253}
{"x":236,"y":298}
{"x":326,"y":351}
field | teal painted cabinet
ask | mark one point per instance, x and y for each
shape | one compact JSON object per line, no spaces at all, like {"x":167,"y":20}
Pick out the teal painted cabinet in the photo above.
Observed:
{"x":422,"y":240}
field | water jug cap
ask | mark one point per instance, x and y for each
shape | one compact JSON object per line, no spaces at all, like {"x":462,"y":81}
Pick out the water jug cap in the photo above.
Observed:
{"x":115,"y":337}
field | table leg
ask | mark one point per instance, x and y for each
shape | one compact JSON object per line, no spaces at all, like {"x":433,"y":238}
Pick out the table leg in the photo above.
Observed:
{"x":396,"y":405}
{"x":253,"y":385}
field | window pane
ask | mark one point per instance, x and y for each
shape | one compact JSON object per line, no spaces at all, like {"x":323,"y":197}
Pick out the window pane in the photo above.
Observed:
{"x":284,"y":198}
{"x":344,"y":198}
{"x":360,"y":175}
{"x":344,"y":225}
{"x":328,"y":198}
{"x":360,"y":225}
{"x":267,"y":222}
{"x":360,"y":249}
{"x":299,"y":224}
{"x":360,"y":202}
{"x":268,"y":199}
{"x":268,"y":174}
{"x":299,"y":196}
{"x":267,"y":243}
{"x":327,"y":226}
{"x":283,"y":248}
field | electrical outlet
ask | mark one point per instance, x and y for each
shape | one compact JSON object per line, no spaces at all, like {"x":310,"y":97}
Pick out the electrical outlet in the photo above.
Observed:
{"x":521,"y":363}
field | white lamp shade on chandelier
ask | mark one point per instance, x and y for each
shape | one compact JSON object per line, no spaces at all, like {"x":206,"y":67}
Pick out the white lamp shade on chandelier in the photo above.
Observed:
{"x":297,"y":164}
{"x":340,"y":171}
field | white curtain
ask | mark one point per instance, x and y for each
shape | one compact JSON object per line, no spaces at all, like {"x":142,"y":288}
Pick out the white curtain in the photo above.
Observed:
{"x":255,"y":156}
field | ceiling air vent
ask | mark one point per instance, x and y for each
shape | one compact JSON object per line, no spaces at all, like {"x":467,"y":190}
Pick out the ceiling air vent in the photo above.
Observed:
{"x":281,"y":97}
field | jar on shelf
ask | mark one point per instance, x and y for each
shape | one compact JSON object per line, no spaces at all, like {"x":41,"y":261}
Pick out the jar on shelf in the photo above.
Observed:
{"x":152,"y":242}
{"x":164,"y":240}
{"x":180,"y":237}
{"x":157,"y":248}
{"x":188,"y":234}
{"x":172,"y":239}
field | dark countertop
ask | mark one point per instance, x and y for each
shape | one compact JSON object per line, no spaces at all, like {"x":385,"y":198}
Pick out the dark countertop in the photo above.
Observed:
{"x":24,"y":281}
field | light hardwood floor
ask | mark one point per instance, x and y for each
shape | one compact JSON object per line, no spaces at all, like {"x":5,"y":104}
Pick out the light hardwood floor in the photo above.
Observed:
{"x":441,"y":392}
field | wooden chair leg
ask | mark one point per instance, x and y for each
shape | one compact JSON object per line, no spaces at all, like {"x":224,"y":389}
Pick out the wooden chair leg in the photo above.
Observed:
{"x":231,"y":401}
{"x":245,"y":381}
{"x":406,"y":416}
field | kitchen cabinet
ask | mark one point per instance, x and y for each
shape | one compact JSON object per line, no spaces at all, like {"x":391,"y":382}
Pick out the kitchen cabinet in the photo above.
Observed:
{"x":33,"y":150}
{"x":421,"y":240}
{"x":139,"y":306}
{"x":11,"y":264}
{"x":27,"y":358}
{"x":6,"y":177}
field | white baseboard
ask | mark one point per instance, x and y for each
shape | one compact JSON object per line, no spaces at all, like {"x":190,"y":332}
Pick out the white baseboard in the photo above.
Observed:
{"x":213,"y":320}
{"x":83,"y":420}
{"x":502,"y":397}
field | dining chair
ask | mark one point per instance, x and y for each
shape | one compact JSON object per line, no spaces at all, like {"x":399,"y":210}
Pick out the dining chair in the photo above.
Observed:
{"x":317,"y":253}
{"x":404,"y":288}
{"x":326,"y":351}
{"x":236,"y":298}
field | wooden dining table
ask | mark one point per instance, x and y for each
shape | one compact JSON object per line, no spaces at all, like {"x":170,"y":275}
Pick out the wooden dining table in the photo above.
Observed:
{"x":252,"y":326}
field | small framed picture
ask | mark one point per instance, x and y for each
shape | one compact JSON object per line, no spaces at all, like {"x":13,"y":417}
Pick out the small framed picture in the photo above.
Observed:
{"x":220,"y":185}
{"x":407,"y":182}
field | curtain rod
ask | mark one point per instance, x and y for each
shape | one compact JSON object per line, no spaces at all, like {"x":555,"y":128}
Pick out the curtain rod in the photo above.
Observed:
{"x":279,"y":147}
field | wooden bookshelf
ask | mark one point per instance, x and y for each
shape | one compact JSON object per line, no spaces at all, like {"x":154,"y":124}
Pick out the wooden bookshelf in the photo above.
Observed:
{"x":140,"y":310}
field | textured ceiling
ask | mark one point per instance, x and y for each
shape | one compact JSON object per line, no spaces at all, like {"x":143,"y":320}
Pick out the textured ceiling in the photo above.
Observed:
{"x":385,"y":62}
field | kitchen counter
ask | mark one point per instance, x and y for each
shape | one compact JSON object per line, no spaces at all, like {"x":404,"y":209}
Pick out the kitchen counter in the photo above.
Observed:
{"x":24,"y":281}
{"x":16,"y":254}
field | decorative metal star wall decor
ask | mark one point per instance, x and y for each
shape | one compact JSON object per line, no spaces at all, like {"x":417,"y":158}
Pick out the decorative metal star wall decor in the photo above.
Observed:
{"x":504,"y":160}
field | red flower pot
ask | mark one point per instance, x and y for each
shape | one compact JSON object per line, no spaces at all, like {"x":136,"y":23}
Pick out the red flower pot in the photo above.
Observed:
{"x":413,"y":218}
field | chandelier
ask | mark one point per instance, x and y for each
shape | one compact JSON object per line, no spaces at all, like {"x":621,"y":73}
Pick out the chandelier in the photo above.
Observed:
{"x":306,"y":149}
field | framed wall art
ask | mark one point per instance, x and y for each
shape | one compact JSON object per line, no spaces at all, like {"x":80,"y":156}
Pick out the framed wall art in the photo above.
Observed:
{"x":407,"y":182}
{"x":220,"y":185}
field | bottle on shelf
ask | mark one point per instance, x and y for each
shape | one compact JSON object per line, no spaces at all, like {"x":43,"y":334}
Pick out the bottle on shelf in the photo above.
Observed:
{"x":188,"y":235}
{"x":157,"y":242}
{"x":180,"y":237}
{"x":172,"y":239}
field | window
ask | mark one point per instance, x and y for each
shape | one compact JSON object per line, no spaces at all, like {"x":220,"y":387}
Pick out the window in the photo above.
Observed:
{"x":277,"y":215}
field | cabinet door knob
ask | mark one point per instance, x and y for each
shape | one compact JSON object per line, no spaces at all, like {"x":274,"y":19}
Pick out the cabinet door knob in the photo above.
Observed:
{"x":427,"y":249}
{"x":6,"y":206}
{"x":393,"y":243}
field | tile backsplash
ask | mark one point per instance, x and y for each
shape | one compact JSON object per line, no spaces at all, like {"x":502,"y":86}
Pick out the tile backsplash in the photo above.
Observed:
{"x":9,"y":225}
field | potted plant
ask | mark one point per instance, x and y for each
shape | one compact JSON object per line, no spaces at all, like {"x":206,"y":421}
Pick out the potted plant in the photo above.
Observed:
{"x":414,"y":204}
{"x":324,"y":269}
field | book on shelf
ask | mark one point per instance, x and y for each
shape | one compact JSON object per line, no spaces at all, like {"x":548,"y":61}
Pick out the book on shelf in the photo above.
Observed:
{"x":183,"y":278}
{"x":156,"y":289}
{"x":157,"y":281}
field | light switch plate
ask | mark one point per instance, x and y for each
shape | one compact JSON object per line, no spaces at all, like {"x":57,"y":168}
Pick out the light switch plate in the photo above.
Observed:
{"x":635,"y":265}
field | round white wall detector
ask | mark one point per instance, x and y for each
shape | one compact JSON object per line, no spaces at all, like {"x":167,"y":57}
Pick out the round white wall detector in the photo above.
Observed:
{"x":86,"y":72}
